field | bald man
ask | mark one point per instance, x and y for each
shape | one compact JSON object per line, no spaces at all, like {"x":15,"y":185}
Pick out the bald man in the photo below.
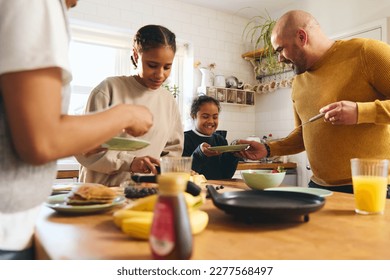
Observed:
{"x":347,"y":80}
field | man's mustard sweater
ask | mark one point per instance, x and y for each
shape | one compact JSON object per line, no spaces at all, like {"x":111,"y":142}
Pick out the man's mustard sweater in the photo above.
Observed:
{"x":354,"y":70}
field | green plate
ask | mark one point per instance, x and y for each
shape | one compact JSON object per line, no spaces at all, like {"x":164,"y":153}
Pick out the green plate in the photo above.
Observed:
{"x":58,"y":203}
{"x":125,"y":144}
{"x":315,"y":191}
{"x":229,"y":148}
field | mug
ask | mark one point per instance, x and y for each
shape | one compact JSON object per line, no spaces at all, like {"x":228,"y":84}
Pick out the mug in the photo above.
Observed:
{"x":219,"y":81}
{"x":247,"y":87}
{"x":272,"y":86}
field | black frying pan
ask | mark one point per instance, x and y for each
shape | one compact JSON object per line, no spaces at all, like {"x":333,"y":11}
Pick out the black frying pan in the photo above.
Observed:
{"x":254,"y":204}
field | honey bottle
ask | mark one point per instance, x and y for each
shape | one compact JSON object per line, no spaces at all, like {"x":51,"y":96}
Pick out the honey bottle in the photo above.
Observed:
{"x":171,"y":237}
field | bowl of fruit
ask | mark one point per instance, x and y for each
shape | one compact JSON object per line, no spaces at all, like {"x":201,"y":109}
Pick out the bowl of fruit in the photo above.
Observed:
{"x":263,"y":179}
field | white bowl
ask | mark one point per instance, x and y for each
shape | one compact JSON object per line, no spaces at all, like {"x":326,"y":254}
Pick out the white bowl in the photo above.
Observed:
{"x":262,"y":179}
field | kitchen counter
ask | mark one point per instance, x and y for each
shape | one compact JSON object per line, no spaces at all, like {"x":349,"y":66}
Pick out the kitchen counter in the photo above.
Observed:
{"x":262,"y":165}
{"x":63,"y":173}
{"x":334,"y":232}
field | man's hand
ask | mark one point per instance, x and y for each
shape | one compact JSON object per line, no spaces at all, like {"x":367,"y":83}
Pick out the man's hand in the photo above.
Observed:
{"x":342,"y":112}
{"x":255,"y":151}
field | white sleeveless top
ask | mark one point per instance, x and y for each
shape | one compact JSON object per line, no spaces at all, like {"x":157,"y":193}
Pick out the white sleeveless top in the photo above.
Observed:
{"x":34,"y":34}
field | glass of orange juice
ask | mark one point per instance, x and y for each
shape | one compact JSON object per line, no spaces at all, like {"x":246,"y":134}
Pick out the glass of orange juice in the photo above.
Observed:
{"x":369,"y":179}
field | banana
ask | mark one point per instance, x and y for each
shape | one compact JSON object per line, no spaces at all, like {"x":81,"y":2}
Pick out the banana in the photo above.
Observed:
{"x":198,"y":220}
{"x":198,"y":179}
{"x":144,"y":204}
{"x":137,"y":227}
{"x":136,"y":219}
{"x":123,"y":214}
{"x":193,"y":201}
{"x":137,"y":224}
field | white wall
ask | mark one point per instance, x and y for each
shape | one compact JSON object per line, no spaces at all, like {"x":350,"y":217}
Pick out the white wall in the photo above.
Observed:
{"x":213,"y":36}
{"x":216,"y":37}
{"x":335,"y":16}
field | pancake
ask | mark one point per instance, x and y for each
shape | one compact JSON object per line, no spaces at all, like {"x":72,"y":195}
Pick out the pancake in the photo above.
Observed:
{"x":91,"y":194}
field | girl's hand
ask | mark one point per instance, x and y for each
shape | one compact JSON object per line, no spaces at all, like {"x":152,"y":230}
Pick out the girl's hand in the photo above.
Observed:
{"x":142,"y":120}
{"x":208,"y":153}
{"x":145,"y":164}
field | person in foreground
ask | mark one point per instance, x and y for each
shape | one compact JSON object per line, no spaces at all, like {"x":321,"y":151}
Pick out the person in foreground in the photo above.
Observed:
{"x":212,"y":164}
{"x":34,"y":127}
{"x":348,"y":81}
{"x":153,"y":53}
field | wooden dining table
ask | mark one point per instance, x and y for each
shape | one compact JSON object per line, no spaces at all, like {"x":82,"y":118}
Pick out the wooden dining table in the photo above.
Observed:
{"x":335,"y":232}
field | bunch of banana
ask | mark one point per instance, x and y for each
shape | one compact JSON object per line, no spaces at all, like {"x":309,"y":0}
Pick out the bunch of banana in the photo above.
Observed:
{"x":136,"y":219}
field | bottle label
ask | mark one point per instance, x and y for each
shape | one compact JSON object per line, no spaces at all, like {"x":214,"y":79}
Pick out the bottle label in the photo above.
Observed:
{"x":162,"y":238}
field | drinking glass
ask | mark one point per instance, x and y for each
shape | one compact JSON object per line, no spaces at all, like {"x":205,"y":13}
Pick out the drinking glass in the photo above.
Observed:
{"x":369,"y":179}
{"x":176,"y":167}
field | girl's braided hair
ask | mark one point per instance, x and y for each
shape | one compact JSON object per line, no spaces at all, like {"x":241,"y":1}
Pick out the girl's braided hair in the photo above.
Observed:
{"x":151,"y":37}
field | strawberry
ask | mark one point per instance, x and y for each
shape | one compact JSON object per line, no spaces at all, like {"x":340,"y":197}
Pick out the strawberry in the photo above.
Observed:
{"x":279,"y":169}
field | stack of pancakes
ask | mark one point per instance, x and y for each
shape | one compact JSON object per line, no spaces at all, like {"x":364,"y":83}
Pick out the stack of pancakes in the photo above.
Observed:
{"x":91,"y":194}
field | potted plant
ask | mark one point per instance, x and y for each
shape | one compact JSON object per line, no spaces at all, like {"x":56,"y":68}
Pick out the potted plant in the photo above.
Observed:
{"x":174,"y":90}
{"x":258,"y":30}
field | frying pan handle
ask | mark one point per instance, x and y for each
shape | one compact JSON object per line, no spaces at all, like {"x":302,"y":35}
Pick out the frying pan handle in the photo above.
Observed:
{"x":193,"y":188}
{"x":212,"y":191}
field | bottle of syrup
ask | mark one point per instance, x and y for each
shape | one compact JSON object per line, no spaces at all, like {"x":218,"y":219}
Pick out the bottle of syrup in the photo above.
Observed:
{"x":171,"y":237}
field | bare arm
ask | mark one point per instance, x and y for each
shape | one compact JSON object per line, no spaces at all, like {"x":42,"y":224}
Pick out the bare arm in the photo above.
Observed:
{"x":41,"y":133}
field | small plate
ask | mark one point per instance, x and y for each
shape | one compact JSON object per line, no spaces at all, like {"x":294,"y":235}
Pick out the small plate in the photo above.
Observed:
{"x":315,"y":191}
{"x":58,"y":203}
{"x":229,"y":148}
{"x":125,"y":144}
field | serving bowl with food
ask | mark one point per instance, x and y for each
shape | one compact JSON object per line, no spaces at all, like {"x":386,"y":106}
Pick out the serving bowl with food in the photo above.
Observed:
{"x":263,"y":179}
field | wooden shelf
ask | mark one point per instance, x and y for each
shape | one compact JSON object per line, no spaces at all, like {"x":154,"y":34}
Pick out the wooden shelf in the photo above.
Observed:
{"x":254,"y":58}
{"x":253,"y":54}
{"x":231,"y":96}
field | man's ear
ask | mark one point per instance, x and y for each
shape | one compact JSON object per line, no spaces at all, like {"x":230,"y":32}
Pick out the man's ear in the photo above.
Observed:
{"x":302,"y":36}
